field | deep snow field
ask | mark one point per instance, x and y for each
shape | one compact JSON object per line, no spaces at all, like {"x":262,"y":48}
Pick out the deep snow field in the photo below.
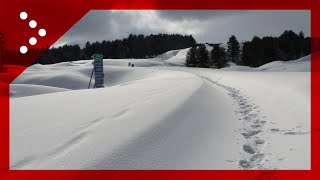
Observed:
{"x":161,"y":115}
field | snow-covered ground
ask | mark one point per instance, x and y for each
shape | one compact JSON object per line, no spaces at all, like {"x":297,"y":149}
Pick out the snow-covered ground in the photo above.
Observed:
{"x":160,"y":115}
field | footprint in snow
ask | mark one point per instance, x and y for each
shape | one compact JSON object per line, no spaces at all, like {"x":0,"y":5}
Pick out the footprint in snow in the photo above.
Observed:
{"x":249,"y":134}
{"x":248,"y":149}
{"x":259,"y":142}
{"x":245,"y":164}
{"x":257,"y":158}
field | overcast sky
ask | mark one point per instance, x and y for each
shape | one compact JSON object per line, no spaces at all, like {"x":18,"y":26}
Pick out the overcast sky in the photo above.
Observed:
{"x":213,"y":26}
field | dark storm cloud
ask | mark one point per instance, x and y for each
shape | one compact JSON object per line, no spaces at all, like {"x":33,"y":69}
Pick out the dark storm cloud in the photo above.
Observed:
{"x":205,"y":25}
{"x":260,"y":23}
{"x":104,"y":25}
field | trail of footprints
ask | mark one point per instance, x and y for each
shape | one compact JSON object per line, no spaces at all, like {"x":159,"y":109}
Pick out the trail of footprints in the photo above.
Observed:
{"x":253,"y":126}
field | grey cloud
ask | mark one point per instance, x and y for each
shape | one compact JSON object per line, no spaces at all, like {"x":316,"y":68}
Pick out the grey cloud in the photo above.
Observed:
{"x":200,"y":15}
{"x":205,"y":26}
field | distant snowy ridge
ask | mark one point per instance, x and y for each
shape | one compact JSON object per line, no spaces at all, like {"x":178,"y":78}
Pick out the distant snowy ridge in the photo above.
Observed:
{"x":301,"y":65}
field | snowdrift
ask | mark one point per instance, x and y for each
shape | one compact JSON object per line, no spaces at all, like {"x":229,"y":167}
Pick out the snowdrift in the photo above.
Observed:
{"x":161,"y":115}
{"x":300,"y":65}
{"x":94,"y":125}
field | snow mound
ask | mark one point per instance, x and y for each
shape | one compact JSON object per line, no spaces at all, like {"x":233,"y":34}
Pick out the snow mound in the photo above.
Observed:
{"x":300,"y":65}
{"x":175,"y":57}
{"x":96,"y":128}
{"x":39,"y":79}
{"x":169,"y":54}
{"x":22,"y":90}
{"x":38,"y":67}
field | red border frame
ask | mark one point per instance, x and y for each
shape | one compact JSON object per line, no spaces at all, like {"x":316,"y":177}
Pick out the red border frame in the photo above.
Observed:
{"x":49,"y":14}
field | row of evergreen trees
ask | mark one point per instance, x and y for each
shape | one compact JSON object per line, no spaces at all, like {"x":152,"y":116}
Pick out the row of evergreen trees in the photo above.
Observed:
{"x":134,"y":46}
{"x":288,"y":46}
{"x":254,"y":53}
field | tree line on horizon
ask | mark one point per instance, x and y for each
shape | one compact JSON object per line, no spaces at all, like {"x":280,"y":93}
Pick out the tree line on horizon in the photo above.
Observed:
{"x":134,"y":46}
{"x":254,"y":53}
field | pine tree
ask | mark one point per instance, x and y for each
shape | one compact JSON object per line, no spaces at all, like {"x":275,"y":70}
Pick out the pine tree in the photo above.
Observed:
{"x":270,"y":46}
{"x":246,"y":55}
{"x":306,"y":46}
{"x":289,"y":44}
{"x":301,"y":45}
{"x":191,"y":57}
{"x":233,"y":51}
{"x":202,"y":57}
{"x":257,"y":52}
{"x":301,"y":35}
{"x":88,"y":50}
{"x":218,"y":57}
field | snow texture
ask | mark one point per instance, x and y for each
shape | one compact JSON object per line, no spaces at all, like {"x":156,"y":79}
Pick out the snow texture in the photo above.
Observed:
{"x":161,"y":115}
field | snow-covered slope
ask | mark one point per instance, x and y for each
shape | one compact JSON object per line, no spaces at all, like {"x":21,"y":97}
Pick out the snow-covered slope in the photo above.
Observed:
{"x":21,"y":90}
{"x":300,"y":65}
{"x":160,"y":116}
{"x":176,"y":57}
{"x":75,"y":76}
{"x":85,"y":128}
{"x":274,"y":109}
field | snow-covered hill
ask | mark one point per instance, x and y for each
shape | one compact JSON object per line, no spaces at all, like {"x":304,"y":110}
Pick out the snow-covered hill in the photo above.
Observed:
{"x":300,"y":65}
{"x":160,"y":115}
{"x":177,"y":57}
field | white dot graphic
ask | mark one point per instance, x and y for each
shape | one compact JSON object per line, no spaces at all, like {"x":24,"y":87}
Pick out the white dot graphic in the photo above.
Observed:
{"x":33,"y":23}
{"x":23,"y":49}
{"x":33,"y":41}
{"x":42,"y":32}
{"x":23,"y":15}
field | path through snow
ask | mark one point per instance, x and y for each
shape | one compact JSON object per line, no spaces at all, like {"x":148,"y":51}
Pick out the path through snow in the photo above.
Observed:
{"x":252,"y":127}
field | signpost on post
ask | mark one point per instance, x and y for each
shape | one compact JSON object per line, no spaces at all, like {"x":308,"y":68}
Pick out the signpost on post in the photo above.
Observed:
{"x":98,"y":70}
